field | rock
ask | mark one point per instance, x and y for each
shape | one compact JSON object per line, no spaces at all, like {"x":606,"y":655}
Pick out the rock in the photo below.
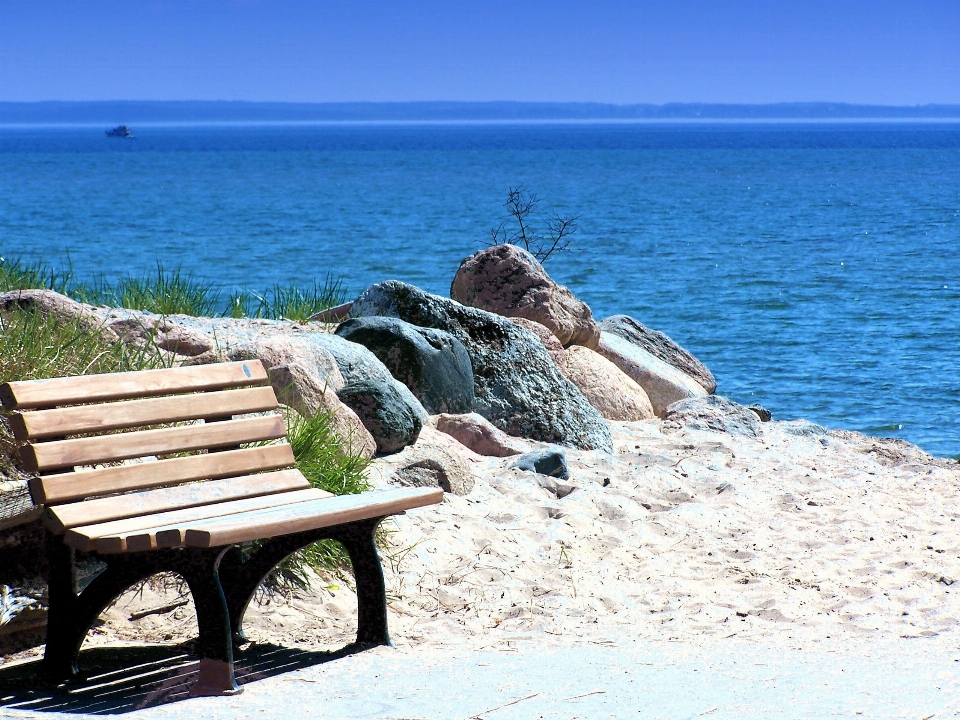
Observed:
{"x":331,"y":362}
{"x":431,"y":436}
{"x":301,"y":389}
{"x":761,"y":412}
{"x":516,"y":385}
{"x":549,"y":461}
{"x":392,"y":421}
{"x":663,"y":383}
{"x":332,"y":315}
{"x":804,"y":428}
{"x":507,"y":280}
{"x":424,"y":464}
{"x":433,"y":364}
{"x":482,"y":437}
{"x":434,"y":466}
{"x":549,"y":340}
{"x":48,"y":302}
{"x":559,"y":489}
{"x":660,"y":346}
{"x":715,"y":413}
{"x":605,"y":386}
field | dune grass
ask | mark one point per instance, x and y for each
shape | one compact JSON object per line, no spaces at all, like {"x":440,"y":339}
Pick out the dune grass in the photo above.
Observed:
{"x":320,"y":458}
{"x":294,"y":303}
{"x":176,"y":292}
{"x":32,"y":347}
{"x":16,"y":274}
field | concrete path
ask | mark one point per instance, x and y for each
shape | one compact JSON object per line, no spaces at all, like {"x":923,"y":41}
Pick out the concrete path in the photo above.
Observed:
{"x":915,"y":678}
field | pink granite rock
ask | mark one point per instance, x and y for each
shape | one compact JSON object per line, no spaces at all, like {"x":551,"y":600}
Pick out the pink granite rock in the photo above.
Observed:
{"x":507,"y":280}
{"x":480,"y":435}
{"x":663,"y":383}
{"x":605,"y":386}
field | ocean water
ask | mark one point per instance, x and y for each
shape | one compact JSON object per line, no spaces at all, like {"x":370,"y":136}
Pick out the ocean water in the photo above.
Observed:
{"x":813,"y":268}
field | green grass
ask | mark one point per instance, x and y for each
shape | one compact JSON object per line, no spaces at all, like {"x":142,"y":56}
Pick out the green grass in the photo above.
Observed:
{"x":175,"y":292}
{"x":34,"y":346}
{"x":15,"y":274}
{"x":298,"y":304}
{"x":320,"y":458}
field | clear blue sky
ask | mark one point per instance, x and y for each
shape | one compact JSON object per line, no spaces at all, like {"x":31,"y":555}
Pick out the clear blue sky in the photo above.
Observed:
{"x":899,"y":52}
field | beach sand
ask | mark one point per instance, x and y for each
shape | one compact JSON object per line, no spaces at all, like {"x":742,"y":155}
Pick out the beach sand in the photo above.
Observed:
{"x":795,"y":538}
{"x":691,"y":573}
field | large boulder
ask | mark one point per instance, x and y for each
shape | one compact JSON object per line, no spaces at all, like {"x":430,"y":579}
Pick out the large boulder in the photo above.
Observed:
{"x":663,"y":383}
{"x":433,"y":364}
{"x":384,"y":412}
{"x":508,"y":280}
{"x":609,"y":389}
{"x":516,"y":385}
{"x":660,"y":346}
{"x":549,"y":340}
{"x":481,"y":436}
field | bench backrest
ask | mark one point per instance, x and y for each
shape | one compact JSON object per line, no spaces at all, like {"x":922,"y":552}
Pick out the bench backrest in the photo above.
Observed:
{"x":77,"y":431}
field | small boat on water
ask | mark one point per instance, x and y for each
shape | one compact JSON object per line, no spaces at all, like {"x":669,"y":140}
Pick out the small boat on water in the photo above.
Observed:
{"x":120,"y":131}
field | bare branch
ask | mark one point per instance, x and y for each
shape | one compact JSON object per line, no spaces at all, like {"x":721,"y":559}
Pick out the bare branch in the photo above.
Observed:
{"x":521,"y":206}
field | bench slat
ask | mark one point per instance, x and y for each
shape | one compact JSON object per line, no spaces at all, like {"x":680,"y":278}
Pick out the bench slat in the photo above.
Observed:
{"x":32,"y":394}
{"x":298,"y":518}
{"x":60,"y":422}
{"x":139,"y":533}
{"x":69,"y":486}
{"x":118,"y":507}
{"x":111,"y":448}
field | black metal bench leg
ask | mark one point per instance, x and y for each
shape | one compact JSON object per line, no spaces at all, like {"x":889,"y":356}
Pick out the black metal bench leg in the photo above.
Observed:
{"x":215,"y":645}
{"x":358,"y":539}
{"x":63,"y":635}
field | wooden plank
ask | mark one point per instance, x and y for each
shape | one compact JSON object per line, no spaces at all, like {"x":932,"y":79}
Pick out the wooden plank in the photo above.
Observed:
{"x":118,"y":507}
{"x":110,"y":448}
{"x":31,"y":394}
{"x":303,"y":516}
{"x":69,"y":486}
{"x":60,"y":422}
{"x":139,"y":533}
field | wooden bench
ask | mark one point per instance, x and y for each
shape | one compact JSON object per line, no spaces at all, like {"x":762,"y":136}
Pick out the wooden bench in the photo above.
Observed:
{"x":207,"y":486}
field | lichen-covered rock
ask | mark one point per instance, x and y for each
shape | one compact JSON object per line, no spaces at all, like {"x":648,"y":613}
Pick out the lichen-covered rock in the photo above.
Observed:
{"x":714,"y":413}
{"x":660,"y":346}
{"x":663,"y":383}
{"x":507,"y":280}
{"x":481,"y":436}
{"x":517,"y":387}
{"x":432,"y":363}
{"x":609,"y":389}
{"x":392,"y":421}
{"x":549,"y":340}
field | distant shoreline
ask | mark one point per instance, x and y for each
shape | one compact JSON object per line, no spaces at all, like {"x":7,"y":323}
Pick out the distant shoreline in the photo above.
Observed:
{"x":56,"y":113}
{"x":678,"y":122}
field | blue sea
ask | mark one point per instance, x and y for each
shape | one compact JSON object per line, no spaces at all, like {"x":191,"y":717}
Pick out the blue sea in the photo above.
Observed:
{"x":813,"y":267}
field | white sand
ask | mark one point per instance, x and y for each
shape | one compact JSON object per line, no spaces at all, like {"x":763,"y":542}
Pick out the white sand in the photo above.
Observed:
{"x":683,"y":535}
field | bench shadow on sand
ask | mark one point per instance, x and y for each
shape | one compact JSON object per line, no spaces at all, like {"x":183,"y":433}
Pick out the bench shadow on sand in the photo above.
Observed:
{"x":123,"y":679}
